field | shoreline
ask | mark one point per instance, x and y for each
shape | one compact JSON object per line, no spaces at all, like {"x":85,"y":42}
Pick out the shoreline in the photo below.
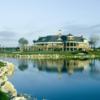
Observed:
{"x":50,"y":56}
{"x":6,"y":87}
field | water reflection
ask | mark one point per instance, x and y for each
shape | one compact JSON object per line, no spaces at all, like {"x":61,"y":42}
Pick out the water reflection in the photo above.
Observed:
{"x":78,"y":78}
{"x":62,"y":66}
{"x":23,"y":65}
{"x":95,"y":69}
{"x":69,"y":66}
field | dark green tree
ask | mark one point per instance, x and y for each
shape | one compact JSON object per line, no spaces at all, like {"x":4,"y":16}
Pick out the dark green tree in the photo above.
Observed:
{"x":64,"y":42}
{"x":94,"y":39}
{"x":23,"y":65}
{"x":23,"y":44}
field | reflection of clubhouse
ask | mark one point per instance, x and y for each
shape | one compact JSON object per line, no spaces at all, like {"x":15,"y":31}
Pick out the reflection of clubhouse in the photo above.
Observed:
{"x":62,"y":65}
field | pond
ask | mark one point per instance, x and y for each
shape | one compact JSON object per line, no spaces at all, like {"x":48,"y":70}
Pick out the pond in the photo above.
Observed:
{"x":57,"y":79}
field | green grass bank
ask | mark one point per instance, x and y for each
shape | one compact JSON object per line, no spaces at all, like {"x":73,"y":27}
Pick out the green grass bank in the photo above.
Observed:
{"x":52,"y":55}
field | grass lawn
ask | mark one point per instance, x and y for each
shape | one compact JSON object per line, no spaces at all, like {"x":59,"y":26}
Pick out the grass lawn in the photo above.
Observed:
{"x":63,"y":54}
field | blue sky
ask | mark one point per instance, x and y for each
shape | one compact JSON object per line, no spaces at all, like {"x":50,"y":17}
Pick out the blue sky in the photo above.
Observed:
{"x":34,"y":18}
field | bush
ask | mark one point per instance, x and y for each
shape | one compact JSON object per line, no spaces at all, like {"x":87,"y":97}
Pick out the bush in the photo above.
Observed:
{"x":3,"y":96}
{"x":2,"y":64}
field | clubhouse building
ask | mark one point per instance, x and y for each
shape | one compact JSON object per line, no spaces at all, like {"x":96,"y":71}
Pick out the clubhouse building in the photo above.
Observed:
{"x":60,"y":42}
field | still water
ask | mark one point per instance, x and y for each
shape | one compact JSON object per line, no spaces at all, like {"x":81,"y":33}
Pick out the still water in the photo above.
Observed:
{"x":57,"y":79}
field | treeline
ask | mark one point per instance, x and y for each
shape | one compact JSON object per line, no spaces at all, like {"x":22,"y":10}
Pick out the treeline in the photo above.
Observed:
{"x":9,"y":49}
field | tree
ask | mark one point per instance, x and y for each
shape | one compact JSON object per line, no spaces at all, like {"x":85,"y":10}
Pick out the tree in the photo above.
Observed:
{"x":23,"y":44}
{"x":23,"y":65}
{"x":64,"y":42}
{"x":94,"y":39}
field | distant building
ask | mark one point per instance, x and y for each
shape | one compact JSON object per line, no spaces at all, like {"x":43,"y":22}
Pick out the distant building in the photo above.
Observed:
{"x":61,"y":43}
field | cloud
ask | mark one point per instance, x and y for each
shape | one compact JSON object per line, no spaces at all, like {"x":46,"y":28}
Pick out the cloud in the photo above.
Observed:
{"x":95,"y":26}
{"x":8,"y":38}
{"x":7,"y":34}
{"x":82,"y":29}
{"x":94,"y":29}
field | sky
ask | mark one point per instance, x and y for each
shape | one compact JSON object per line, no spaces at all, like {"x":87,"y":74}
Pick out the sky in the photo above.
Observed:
{"x":32,"y":19}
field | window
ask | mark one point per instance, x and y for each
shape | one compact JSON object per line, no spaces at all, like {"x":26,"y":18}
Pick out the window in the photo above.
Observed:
{"x":75,"y":49}
{"x":80,"y":49}
{"x":67,"y":49}
{"x":74,"y":44}
{"x":67,"y":44}
{"x":71,"y":49}
{"x":71,"y":44}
